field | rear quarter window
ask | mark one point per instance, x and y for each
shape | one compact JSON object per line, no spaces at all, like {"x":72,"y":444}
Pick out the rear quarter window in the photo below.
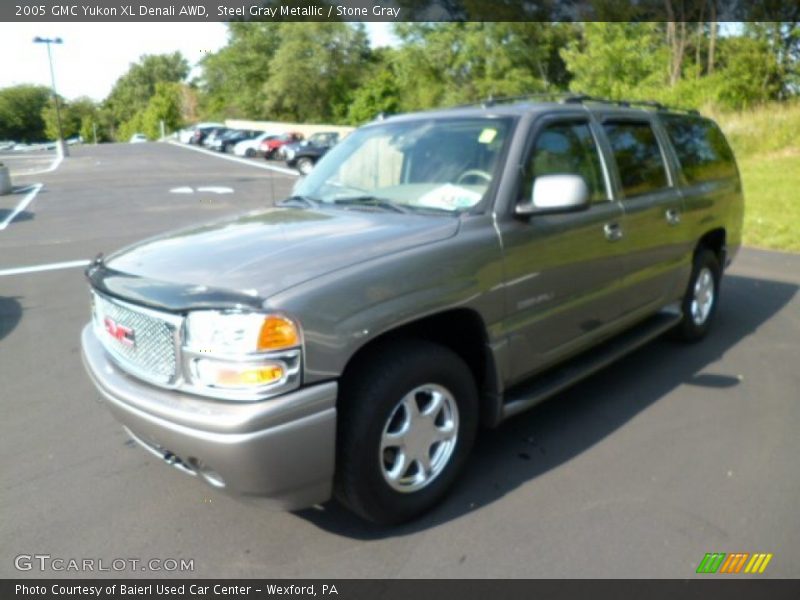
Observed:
{"x":702,"y":150}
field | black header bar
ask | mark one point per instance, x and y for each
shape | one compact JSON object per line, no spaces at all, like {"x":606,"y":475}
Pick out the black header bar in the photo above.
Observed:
{"x":398,"y":10}
{"x":708,"y":588}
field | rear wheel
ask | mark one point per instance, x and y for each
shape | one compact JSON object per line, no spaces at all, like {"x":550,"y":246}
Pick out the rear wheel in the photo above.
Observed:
{"x":249,"y":153}
{"x":700,"y":301}
{"x":407,"y":422}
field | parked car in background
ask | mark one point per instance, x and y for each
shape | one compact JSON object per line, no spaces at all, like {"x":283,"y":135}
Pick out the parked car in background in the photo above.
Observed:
{"x":214,"y":135}
{"x":226,"y":142}
{"x":304,"y":155}
{"x":252,"y":147}
{"x":215,"y":140}
{"x":271,"y":146}
{"x":6,"y":145}
{"x":435,"y":273}
{"x":137,"y":138}
{"x":187,"y":135}
{"x":321,"y":138}
{"x":200,"y":133}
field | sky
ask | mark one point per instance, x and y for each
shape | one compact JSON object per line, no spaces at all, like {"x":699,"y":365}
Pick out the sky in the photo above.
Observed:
{"x":94,"y":55}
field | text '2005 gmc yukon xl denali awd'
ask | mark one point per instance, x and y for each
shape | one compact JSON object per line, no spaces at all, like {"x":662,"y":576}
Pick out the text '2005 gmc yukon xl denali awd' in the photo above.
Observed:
{"x":434,"y":272}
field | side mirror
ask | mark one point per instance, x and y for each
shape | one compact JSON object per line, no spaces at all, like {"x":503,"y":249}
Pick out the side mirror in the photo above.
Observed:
{"x":555,"y":194}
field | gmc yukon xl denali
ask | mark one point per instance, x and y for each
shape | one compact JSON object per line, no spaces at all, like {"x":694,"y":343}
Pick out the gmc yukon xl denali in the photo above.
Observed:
{"x":436,"y":272}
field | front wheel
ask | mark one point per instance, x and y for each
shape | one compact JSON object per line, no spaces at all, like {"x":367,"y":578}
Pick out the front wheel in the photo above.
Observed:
{"x":249,"y":153}
{"x":304,"y":165}
{"x":701,"y":298}
{"x":407,"y":421}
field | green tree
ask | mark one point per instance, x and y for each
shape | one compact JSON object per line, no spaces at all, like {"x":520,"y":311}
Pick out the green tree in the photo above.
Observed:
{"x":127,"y":128}
{"x":133,"y":90}
{"x":21,"y":112}
{"x":315,"y":70}
{"x":165,"y":105}
{"x":233,"y":78}
{"x":73,"y":114}
{"x":618,"y":60}
{"x":450,"y":63}
{"x":752,"y":72}
{"x":782,"y":41}
{"x":378,"y":94}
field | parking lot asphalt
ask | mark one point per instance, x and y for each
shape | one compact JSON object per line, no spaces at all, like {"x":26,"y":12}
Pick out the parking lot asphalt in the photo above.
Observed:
{"x":673,"y":452}
{"x":27,"y":163}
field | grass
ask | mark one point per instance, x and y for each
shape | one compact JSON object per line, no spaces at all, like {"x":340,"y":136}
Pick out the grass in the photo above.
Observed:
{"x":766,"y":141}
{"x":772,"y":201}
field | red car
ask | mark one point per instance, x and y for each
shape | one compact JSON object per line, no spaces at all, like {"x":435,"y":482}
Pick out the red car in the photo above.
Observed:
{"x":270,"y":146}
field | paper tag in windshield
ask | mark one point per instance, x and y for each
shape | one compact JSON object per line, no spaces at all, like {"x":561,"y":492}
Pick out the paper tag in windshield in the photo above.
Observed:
{"x":450,"y":197}
{"x":487,"y":136}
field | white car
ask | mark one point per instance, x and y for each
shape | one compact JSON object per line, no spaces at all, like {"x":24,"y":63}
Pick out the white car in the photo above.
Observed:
{"x":137,"y":138}
{"x":249,"y":148}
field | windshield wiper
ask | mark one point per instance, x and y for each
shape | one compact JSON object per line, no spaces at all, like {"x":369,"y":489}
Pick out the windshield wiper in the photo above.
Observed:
{"x":372,"y":201}
{"x":294,"y":200}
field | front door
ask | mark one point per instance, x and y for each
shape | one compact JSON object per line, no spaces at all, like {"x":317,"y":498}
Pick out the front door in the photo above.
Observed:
{"x":563,"y":271}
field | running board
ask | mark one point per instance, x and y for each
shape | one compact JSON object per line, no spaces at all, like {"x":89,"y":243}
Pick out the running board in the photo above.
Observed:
{"x":524,"y":396}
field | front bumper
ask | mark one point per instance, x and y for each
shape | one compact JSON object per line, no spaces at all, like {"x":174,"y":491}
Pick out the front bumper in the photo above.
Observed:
{"x":282,"y":448}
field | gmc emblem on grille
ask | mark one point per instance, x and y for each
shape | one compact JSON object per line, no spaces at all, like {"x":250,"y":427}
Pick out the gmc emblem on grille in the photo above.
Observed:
{"x":124,"y":335}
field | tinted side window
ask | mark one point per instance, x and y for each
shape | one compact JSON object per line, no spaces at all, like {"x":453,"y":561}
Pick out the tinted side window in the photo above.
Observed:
{"x":638,"y":155}
{"x":566,"y":148}
{"x":702,"y":150}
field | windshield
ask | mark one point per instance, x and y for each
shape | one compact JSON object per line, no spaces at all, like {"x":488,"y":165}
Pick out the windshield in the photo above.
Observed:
{"x":427,"y":164}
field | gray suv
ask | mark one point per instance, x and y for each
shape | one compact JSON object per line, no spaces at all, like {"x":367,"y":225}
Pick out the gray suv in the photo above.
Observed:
{"x":436,"y":272}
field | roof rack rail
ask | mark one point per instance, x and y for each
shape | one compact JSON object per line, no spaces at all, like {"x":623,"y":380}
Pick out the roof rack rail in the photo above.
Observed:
{"x":581,"y":98}
{"x":493,"y":101}
{"x":574,"y":98}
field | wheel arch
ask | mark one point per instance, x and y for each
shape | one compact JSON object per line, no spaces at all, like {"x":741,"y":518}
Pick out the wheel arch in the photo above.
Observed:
{"x":716,"y":241}
{"x":463,"y":331}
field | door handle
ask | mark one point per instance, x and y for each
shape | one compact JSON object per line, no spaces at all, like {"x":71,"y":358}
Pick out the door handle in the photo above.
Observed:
{"x":673,"y":216}
{"x":612,"y":231}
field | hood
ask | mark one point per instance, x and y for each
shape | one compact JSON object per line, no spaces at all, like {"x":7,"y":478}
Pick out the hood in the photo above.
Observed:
{"x":260,"y":254}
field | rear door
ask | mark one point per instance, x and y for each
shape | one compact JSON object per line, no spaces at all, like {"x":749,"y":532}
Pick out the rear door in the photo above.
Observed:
{"x":653,"y":205}
{"x":708,"y":175}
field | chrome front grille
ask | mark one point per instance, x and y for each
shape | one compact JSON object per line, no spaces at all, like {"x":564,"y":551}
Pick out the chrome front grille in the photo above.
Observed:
{"x":141,"y":340}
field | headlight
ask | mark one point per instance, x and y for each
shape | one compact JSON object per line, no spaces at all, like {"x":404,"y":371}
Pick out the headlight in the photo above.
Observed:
{"x":289,"y":153}
{"x":241,"y":355}
{"x":239,"y":333}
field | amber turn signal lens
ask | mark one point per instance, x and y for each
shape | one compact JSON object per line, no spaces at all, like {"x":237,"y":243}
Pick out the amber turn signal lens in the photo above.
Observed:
{"x":248,"y":377}
{"x":277,"y":333}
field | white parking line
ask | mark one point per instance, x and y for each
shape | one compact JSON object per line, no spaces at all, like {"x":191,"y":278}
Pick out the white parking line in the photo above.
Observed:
{"x":10,"y":157}
{"x":53,"y":166}
{"x":48,"y":267}
{"x":243,"y":161}
{"x":34,"y":189}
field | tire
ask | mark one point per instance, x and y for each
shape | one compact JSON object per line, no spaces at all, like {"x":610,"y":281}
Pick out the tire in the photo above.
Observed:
{"x":702,"y":296}
{"x":304,"y":165}
{"x":249,"y":153}
{"x":370,"y":477}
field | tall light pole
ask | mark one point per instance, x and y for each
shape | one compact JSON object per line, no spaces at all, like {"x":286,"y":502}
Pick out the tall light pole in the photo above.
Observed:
{"x":62,"y":146}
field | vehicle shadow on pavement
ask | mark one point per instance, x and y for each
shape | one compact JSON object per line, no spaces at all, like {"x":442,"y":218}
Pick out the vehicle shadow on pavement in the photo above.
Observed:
{"x":10,"y":315}
{"x":23,"y":215}
{"x":568,"y":424}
